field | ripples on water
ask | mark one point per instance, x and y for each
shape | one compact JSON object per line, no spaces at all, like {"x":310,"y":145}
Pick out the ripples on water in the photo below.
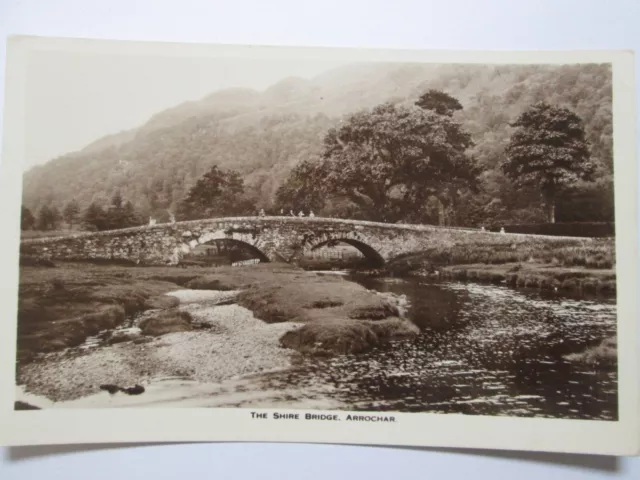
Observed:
{"x":484,"y":349}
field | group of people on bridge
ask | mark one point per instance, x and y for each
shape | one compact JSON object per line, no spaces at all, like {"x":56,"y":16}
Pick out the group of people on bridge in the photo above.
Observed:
{"x":291,"y":213}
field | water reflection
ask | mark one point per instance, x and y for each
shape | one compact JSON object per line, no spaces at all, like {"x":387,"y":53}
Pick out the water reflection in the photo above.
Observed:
{"x":484,"y":349}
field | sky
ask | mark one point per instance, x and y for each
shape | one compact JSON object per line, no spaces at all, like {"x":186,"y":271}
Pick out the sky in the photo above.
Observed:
{"x":75,"y":98}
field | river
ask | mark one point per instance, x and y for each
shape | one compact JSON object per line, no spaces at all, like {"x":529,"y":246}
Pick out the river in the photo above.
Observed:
{"x":483,"y":349}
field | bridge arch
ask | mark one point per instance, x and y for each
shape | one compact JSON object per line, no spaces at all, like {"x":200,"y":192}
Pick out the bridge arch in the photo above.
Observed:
{"x":364,"y":246}
{"x":250,"y":242}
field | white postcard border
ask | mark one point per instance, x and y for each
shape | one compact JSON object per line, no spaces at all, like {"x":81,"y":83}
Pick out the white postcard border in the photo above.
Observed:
{"x":66,"y":426}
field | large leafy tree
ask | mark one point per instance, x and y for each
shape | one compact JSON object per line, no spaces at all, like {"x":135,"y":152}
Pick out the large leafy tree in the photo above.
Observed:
{"x":389,"y":161}
{"x":548,"y":150}
{"x":217,"y":193}
{"x":300,"y":191}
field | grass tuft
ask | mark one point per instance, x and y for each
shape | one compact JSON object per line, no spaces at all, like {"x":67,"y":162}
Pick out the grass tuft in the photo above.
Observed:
{"x":605,"y":353}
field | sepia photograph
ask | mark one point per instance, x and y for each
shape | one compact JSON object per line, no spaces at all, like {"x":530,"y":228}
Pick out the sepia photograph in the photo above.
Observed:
{"x":317,"y":237}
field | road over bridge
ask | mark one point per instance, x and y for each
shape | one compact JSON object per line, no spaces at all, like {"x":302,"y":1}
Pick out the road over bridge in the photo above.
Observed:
{"x":271,"y":238}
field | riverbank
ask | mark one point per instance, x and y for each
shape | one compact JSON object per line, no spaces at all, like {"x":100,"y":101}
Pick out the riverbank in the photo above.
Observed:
{"x":61,"y":305}
{"x":585,"y":268}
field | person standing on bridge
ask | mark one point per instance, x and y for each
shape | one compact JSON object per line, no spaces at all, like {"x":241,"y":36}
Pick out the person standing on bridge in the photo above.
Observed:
{"x":301,"y":214}
{"x":291,"y":213}
{"x":311,"y":215}
{"x":262,"y":214}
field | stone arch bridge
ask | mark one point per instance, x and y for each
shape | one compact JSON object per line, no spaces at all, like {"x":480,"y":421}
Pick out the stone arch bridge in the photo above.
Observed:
{"x":272,"y":239}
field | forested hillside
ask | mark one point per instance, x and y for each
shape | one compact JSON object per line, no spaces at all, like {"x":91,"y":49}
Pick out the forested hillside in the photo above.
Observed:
{"x":263,"y":135}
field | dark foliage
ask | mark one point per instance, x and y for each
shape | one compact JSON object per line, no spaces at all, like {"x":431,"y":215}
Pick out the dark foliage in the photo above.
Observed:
{"x":263,"y":136}
{"x":118,"y":214}
{"x":548,"y":150}
{"x":217,"y":193}
{"x":439,"y":102}
{"x":70,"y":212}
{"x":48,"y":218}
{"x":27,"y":220}
{"x":387,"y":163}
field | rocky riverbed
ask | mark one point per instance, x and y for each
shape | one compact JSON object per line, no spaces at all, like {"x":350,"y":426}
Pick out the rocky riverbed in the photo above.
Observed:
{"x":232,"y":344}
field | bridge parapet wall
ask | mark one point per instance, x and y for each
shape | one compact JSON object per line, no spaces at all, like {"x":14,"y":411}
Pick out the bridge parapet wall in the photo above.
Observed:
{"x":276,"y":238}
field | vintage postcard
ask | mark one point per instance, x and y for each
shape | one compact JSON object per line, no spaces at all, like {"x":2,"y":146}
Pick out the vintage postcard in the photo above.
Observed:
{"x":318,"y":245}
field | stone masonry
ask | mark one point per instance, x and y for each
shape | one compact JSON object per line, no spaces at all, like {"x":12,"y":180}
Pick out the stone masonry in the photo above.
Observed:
{"x":273,"y":238}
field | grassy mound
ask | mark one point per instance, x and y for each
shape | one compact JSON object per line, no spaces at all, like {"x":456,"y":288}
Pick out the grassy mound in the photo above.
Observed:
{"x":168,"y":321}
{"x":70,"y":332}
{"x":60,"y":307}
{"x":346,"y":336}
{"x":606,"y":353}
{"x":330,"y":338}
{"x":541,"y":276}
{"x":577,"y":252}
{"x":161,"y":302}
{"x":210,"y":282}
{"x":298,"y":296}
{"x":580,"y":265}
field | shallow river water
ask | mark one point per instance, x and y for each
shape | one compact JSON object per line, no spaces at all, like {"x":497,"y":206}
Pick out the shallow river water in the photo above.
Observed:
{"x":483,"y":349}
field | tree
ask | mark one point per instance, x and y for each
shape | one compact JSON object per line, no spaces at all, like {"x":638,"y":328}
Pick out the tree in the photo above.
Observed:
{"x":57,"y":217}
{"x":116,"y":200}
{"x":388,"y":162}
{"x":129,"y":217}
{"x":548,"y":150}
{"x":48,"y":218}
{"x":95,"y":217}
{"x":70,"y":212}
{"x":27,"y":220}
{"x":120,"y":213}
{"x":217,"y":193}
{"x":299,"y":191}
{"x":440,"y":102}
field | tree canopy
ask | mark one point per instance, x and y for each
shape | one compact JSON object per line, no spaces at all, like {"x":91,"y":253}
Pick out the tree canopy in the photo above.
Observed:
{"x":264,"y":136}
{"x":388,"y":161}
{"x":118,"y":214}
{"x":217,"y":193}
{"x":440,"y":102}
{"x":548,"y":150}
